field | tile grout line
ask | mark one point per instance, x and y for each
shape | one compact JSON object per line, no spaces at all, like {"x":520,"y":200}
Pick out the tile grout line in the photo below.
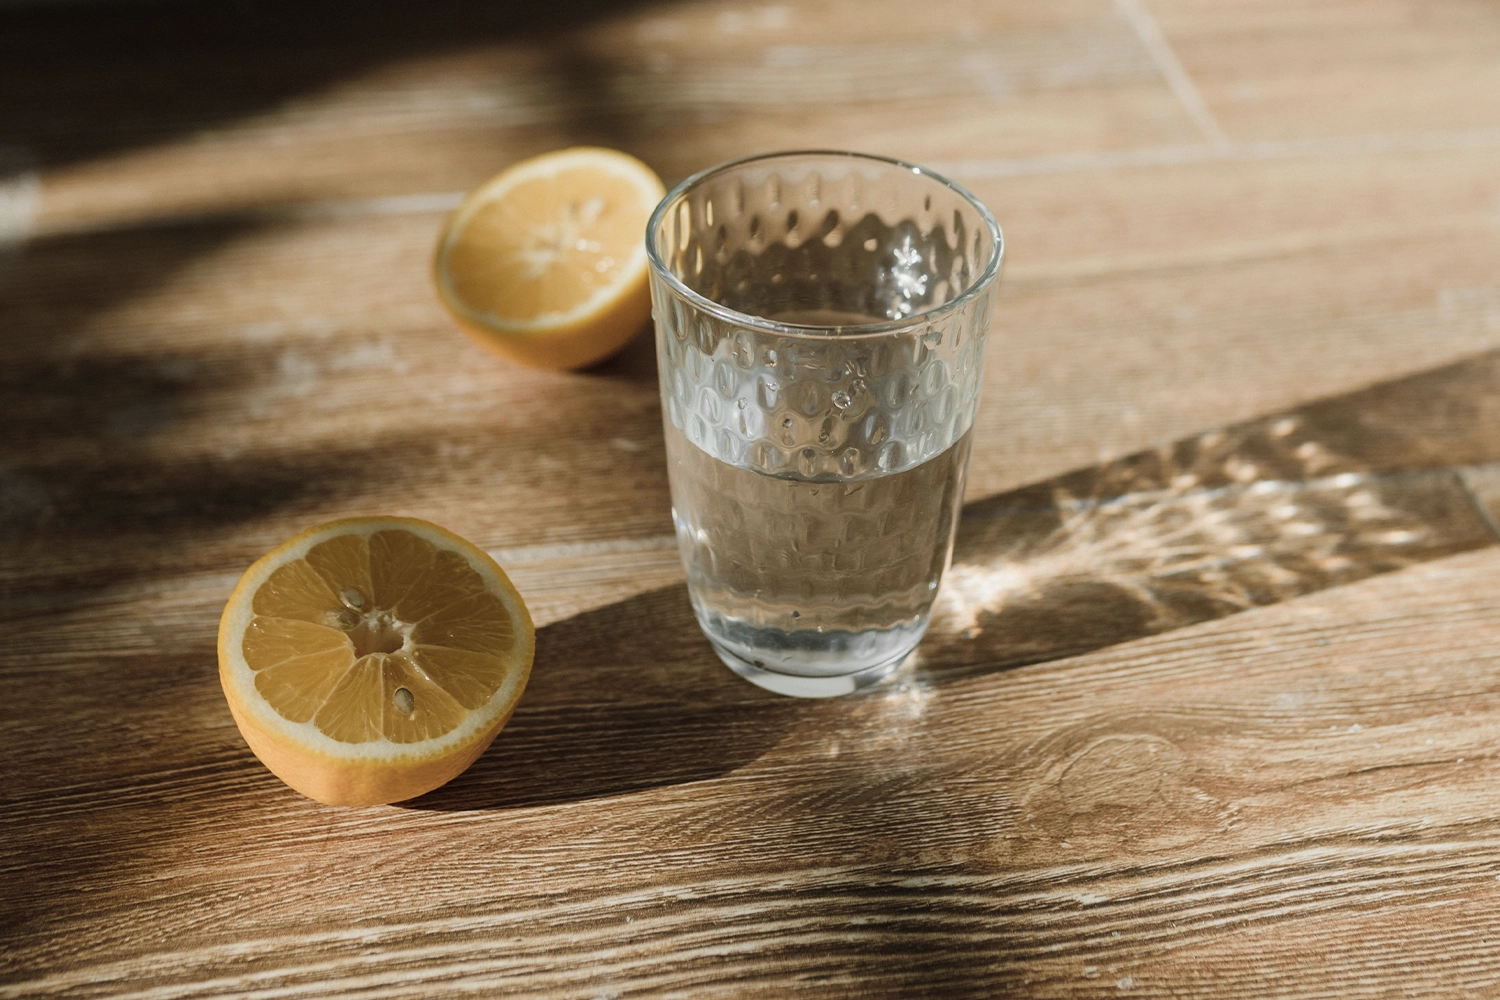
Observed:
{"x":1167,"y":63}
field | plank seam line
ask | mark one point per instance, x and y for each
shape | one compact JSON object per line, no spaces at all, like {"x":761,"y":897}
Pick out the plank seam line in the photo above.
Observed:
{"x":1427,"y":141}
{"x":1167,"y":63}
{"x":1479,"y":506}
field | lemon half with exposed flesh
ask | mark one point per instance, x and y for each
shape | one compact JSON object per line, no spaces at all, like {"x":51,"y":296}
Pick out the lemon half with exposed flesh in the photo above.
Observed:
{"x":545,"y":263}
{"x":373,"y":659}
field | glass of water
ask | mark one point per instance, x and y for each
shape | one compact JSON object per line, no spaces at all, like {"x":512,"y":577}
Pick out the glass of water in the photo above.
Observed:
{"x":820,"y":325}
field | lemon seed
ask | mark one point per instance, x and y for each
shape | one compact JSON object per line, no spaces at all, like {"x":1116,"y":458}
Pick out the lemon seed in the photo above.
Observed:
{"x":405,"y":703}
{"x":342,"y":618}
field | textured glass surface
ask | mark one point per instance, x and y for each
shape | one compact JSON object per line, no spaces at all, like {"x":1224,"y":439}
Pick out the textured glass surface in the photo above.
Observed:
{"x":820,"y":320}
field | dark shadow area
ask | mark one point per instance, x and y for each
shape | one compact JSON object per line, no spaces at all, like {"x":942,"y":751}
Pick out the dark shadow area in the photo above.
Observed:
{"x":636,"y":362}
{"x":630,"y":696}
{"x":621,"y":699}
{"x":70,"y":466}
{"x":1253,"y":514}
{"x":64,"y":280}
{"x":1256,"y":513}
{"x":99,"y":506}
{"x":151,"y":512}
{"x":82,"y":81}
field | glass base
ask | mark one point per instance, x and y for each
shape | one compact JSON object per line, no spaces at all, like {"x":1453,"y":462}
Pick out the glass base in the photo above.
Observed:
{"x":813,"y":662}
{"x":798,"y":686}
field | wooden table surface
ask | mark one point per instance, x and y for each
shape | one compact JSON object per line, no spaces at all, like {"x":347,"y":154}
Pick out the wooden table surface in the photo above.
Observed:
{"x":1211,"y":703}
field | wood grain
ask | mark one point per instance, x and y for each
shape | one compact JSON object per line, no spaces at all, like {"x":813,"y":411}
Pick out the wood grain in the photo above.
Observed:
{"x":1208,"y":708}
{"x":1281,"y":69}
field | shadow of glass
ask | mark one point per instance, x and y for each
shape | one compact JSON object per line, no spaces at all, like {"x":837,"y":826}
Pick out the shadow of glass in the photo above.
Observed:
{"x":621,"y":699}
{"x":1253,"y":514}
{"x":636,"y":362}
{"x":630,"y":696}
{"x":1250,"y":515}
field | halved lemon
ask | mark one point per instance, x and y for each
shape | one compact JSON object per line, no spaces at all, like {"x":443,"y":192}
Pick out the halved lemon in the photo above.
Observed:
{"x":545,"y":263}
{"x":373,"y":659}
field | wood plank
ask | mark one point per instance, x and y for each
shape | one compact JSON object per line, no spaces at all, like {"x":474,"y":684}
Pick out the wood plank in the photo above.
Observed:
{"x":1250,"y":515}
{"x":212,"y":403}
{"x":681,"y":87}
{"x":1141,"y":305}
{"x":1137,"y":525}
{"x":1244,"y":516}
{"x":1283,"y":69}
{"x":1209,"y":705}
{"x":1103,"y":795}
{"x":246,"y":407}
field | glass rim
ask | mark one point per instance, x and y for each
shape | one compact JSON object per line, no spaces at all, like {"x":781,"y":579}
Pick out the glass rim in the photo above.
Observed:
{"x":823,"y":332}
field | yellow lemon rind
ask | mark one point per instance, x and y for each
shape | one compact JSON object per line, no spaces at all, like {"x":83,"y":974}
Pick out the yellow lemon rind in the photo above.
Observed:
{"x":571,"y":347}
{"x":336,"y":782}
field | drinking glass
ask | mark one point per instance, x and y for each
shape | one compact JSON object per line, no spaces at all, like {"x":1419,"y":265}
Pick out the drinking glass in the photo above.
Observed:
{"x":820,"y":325}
